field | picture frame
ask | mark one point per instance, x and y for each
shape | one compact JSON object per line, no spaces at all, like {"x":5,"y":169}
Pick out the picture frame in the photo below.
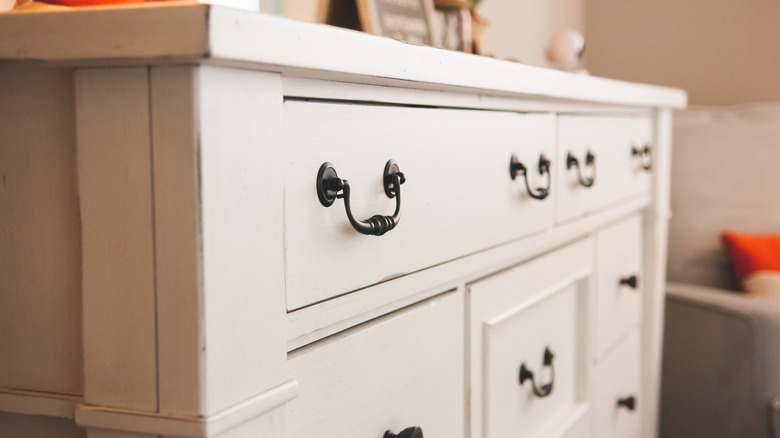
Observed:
{"x":453,"y":22}
{"x":410,"y":21}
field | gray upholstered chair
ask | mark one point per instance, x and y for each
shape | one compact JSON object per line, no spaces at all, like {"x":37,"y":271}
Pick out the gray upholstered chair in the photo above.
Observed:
{"x":721,"y":366}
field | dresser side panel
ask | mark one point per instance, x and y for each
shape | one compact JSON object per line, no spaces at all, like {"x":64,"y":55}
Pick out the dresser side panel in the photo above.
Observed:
{"x":242,"y":233}
{"x":40,"y":233}
{"x":114,"y":171}
{"x":656,"y":229}
{"x":177,"y":243}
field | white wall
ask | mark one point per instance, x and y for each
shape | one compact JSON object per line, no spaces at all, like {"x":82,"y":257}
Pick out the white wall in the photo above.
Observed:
{"x":723,"y":52}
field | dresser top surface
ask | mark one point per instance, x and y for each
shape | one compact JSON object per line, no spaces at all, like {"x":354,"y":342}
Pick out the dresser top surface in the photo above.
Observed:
{"x":168,"y":33}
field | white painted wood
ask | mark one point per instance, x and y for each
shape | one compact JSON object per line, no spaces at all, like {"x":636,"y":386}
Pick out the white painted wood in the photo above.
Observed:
{"x":438,"y":196}
{"x":656,"y":229}
{"x":40,"y":233}
{"x":315,"y":322}
{"x":264,"y":405}
{"x":499,"y":406}
{"x":270,"y":424}
{"x":229,"y":36}
{"x":431,"y":95}
{"x":24,"y":35}
{"x":174,"y":103}
{"x":520,"y":336}
{"x":240,"y":114}
{"x":37,"y":403}
{"x":181,"y":174}
{"x":402,"y":370}
{"x":619,"y":255}
{"x":616,"y":378}
{"x":618,"y":174}
{"x":115,"y":190}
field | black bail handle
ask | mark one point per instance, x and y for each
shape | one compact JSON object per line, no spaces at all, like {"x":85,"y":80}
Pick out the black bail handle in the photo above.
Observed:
{"x":627,"y":402}
{"x":645,"y":156}
{"x":517,"y":168}
{"x":590,"y":161}
{"x":526,"y":374}
{"x":409,"y":432}
{"x":330,"y":187}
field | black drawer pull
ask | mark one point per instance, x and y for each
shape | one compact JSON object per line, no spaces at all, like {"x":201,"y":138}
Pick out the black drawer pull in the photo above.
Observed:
{"x":517,"y":168}
{"x":590,"y":161}
{"x":526,"y":374}
{"x":628,"y":403}
{"x":632,"y":281}
{"x":645,"y":155}
{"x":409,"y":432}
{"x":329,"y":185}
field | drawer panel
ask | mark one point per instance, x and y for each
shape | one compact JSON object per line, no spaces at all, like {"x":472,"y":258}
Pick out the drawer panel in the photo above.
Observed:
{"x":616,"y":171}
{"x":619,"y":281}
{"x":405,"y":369}
{"x":458,"y":196}
{"x":520,"y":315}
{"x":618,"y":380}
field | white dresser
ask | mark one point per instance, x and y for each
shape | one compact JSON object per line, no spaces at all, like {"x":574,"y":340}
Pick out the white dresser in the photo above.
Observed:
{"x":188,"y":197}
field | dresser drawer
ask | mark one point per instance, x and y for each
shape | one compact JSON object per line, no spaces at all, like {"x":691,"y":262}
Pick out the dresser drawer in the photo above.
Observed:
{"x":616,"y":171}
{"x":457,"y":198}
{"x":532,"y":331}
{"x":618,"y":384}
{"x":619,"y":281}
{"x":402,"y":370}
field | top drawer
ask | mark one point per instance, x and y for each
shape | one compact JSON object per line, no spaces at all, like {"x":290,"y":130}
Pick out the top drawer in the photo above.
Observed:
{"x":458,"y":196}
{"x":621,"y":165}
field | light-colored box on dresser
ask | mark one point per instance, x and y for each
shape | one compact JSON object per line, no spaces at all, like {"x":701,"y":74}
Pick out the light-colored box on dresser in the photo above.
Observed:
{"x":170,"y":270}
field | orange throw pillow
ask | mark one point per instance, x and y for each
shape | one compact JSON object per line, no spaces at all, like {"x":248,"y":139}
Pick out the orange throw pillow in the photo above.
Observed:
{"x":752,"y":254}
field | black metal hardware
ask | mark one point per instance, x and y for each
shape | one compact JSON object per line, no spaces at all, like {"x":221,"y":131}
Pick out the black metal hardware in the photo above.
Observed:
{"x":645,"y":155}
{"x":590,"y":160}
{"x":627,"y":402}
{"x":526,"y":374}
{"x":517,"y":168}
{"x":409,"y":432}
{"x":329,"y":185}
{"x":632,"y":281}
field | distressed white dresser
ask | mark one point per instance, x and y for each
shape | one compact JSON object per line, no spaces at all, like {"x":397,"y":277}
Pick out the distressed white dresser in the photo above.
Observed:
{"x":216,"y":223}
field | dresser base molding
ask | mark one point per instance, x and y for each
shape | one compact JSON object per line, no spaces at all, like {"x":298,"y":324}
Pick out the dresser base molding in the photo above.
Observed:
{"x":185,"y":426}
{"x":38,"y":403}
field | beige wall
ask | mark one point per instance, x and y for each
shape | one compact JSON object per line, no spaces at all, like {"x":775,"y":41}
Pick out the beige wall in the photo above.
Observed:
{"x":723,"y":52}
{"x":520,"y":29}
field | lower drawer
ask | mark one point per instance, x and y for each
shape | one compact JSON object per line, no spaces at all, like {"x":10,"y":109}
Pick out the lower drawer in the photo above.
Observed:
{"x":619,"y":282}
{"x":618,"y":391}
{"x":402,"y":370}
{"x":529,"y":344}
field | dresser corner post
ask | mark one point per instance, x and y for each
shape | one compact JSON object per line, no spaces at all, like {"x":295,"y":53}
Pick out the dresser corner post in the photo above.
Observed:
{"x":656,"y":235}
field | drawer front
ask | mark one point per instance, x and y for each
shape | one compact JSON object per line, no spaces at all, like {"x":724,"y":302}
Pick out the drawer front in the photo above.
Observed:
{"x":616,"y":172}
{"x":617,"y":384}
{"x":405,"y":369}
{"x":458,"y":196}
{"x":619,"y":282}
{"x":522,"y":315}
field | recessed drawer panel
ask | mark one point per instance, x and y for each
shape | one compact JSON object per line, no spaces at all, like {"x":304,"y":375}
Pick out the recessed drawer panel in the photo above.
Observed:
{"x":457,"y":198}
{"x":601,"y":160}
{"x":403,"y":370}
{"x":618,"y":414}
{"x":619,"y":282}
{"x":533,"y":348}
